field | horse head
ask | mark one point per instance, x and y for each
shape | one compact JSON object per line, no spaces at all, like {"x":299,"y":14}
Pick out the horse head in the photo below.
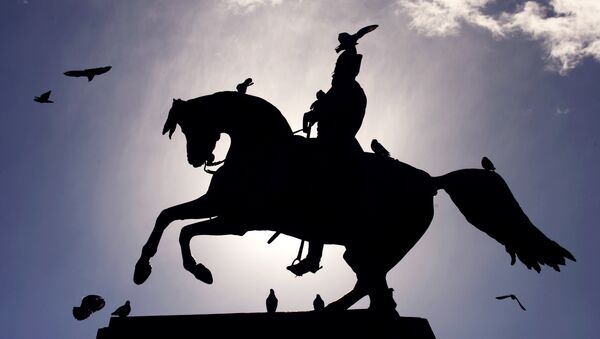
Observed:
{"x":199,"y":128}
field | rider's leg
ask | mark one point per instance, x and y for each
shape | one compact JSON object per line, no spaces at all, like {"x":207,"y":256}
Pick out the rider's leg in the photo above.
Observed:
{"x":217,"y":226}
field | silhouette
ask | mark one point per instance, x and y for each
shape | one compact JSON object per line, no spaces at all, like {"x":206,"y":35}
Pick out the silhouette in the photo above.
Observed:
{"x":244,"y":85}
{"x":271,"y":302}
{"x":318,"y":303}
{"x":123,"y":310}
{"x":44,"y":98}
{"x":487,"y":164}
{"x":376,"y":207}
{"x":89,"y":73}
{"x":513,"y":297}
{"x":89,"y":304}
{"x":339,"y":114}
{"x":378,"y":148}
{"x":348,"y":41}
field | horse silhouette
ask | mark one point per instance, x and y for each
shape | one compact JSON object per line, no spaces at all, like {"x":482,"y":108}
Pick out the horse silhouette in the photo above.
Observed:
{"x":376,"y":207}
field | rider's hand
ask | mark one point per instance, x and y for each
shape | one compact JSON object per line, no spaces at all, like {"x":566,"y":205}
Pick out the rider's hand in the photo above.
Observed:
{"x":308,"y":120}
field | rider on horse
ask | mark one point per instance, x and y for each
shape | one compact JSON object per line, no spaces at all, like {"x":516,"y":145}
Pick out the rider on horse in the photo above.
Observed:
{"x":340,"y":113}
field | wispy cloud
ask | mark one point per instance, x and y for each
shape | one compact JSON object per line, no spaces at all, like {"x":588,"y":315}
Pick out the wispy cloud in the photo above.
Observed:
{"x":246,"y":6}
{"x":445,"y":17}
{"x":569,"y":30}
{"x":562,"y":110}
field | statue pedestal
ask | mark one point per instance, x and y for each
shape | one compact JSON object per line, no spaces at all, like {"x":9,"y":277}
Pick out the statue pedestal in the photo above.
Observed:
{"x":305,"y":325}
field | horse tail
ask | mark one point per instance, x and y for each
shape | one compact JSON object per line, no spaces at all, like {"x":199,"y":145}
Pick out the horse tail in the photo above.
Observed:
{"x":485,"y":200}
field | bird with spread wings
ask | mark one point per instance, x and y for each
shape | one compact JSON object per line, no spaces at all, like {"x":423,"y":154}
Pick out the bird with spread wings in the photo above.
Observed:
{"x":513,"y":297}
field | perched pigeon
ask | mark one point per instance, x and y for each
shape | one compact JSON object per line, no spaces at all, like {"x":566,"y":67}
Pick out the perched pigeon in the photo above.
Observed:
{"x":271,"y":302}
{"x":346,"y":40}
{"x":487,"y":164}
{"x":244,"y":85}
{"x":378,"y":148}
{"x":44,"y":98}
{"x":89,"y":304}
{"x":513,"y":297}
{"x":123,"y":310}
{"x":318,"y":303}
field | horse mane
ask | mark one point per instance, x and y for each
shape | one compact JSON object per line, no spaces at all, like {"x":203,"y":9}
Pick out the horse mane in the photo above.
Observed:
{"x":248,"y":111}
{"x":254,"y":111}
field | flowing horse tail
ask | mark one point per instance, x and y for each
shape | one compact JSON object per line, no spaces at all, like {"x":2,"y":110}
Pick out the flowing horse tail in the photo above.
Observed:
{"x":485,"y":200}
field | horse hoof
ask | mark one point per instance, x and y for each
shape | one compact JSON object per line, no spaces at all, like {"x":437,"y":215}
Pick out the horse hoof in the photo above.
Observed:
{"x":202,"y":273}
{"x":142,"y":271}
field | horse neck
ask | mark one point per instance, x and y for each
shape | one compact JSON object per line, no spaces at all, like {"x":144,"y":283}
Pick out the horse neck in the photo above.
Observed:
{"x":253,"y":136}
{"x":250,"y":142}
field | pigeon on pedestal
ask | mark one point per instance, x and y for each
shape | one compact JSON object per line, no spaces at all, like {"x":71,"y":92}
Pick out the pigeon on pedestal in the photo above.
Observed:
{"x":318,"y":303}
{"x":123,"y":310}
{"x":271,"y":302}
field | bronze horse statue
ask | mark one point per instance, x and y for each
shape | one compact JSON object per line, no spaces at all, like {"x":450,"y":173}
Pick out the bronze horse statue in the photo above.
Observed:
{"x":376,"y":207}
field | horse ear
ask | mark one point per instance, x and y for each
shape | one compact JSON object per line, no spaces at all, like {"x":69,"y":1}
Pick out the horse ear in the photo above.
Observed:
{"x":172,"y":121}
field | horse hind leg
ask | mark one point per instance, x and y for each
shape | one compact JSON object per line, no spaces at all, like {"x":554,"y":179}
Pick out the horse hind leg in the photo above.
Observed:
{"x":215,"y":226}
{"x":371,"y":281}
{"x":351,"y":298}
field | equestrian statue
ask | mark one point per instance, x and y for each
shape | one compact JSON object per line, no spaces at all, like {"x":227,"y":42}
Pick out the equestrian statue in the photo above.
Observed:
{"x":327,"y":190}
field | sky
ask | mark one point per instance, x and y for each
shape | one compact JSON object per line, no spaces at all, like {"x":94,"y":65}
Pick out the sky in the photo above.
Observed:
{"x":447,"y":82}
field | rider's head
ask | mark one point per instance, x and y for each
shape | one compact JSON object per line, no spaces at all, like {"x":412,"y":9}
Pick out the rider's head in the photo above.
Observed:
{"x":346,"y":41}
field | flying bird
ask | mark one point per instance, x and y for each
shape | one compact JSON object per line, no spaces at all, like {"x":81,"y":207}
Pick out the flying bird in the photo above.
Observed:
{"x":44,"y":98}
{"x":318,"y":303}
{"x":89,"y":304}
{"x":271,"y":302}
{"x":123,"y":310}
{"x":346,"y":40}
{"x":513,"y":297}
{"x":244,"y":85}
{"x":378,"y":148}
{"x":89,"y":73}
{"x":487,"y":164}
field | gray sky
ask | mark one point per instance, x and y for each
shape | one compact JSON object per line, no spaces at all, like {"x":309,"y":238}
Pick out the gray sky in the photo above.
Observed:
{"x":448,"y":81}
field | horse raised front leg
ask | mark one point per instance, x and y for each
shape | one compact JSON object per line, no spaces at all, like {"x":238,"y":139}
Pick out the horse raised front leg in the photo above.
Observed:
{"x":217,"y":226}
{"x":195,"y":209}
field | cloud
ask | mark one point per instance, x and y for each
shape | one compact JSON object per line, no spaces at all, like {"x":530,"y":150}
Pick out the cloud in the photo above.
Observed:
{"x":562,"y":111}
{"x":569,"y":30}
{"x":445,"y":17}
{"x":246,"y":6}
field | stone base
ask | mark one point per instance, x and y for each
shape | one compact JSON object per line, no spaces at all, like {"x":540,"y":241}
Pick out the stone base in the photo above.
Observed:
{"x":305,"y":325}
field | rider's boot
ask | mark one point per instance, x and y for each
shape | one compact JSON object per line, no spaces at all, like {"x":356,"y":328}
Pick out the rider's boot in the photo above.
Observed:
{"x":311,"y":262}
{"x":304,"y":266}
